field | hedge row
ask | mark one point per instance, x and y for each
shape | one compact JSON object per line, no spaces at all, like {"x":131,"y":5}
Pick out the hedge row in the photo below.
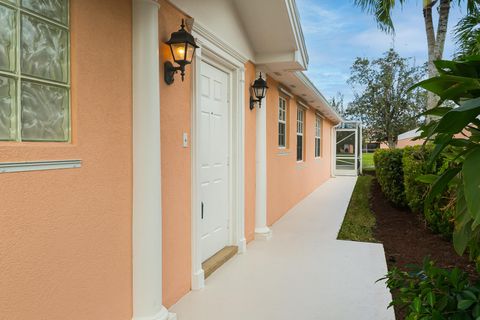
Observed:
{"x":397,"y":173}
{"x":388,"y":165}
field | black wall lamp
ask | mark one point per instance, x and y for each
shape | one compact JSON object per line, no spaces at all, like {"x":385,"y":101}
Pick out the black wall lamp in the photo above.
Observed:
{"x":182,"y":45}
{"x":259,"y":88}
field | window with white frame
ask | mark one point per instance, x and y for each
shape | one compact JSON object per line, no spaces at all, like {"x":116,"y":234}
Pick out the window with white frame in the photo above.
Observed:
{"x":34,"y":70}
{"x":318,"y":136}
{"x":300,"y":132}
{"x":282,"y":123}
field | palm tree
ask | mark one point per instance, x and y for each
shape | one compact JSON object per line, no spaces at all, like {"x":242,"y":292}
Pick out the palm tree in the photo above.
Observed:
{"x":467,"y":35}
{"x":382,"y":10}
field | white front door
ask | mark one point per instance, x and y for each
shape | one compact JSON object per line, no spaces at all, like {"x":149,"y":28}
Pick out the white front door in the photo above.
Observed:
{"x":213,"y":160}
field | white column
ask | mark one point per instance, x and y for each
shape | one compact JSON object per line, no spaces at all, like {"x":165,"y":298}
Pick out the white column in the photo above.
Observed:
{"x":262,"y":231}
{"x":147,"y":213}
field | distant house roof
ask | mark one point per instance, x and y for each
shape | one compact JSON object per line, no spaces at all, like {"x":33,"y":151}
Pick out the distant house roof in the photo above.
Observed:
{"x":409,"y":134}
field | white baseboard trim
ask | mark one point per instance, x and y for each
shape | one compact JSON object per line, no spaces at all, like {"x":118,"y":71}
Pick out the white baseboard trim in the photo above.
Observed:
{"x":198,"y":280}
{"x":163,"y":314}
{"x":242,"y":246}
{"x":263,"y":234}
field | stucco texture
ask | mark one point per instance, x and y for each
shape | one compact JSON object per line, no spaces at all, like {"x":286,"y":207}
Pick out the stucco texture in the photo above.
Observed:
{"x":288,"y":182}
{"x":175,"y":119}
{"x":65,"y":249}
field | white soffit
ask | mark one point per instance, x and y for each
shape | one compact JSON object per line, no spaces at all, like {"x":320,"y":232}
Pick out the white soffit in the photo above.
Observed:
{"x":222,"y":20}
{"x":298,"y":84}
{"x":274,"y":32}
{"x":267,"y":32}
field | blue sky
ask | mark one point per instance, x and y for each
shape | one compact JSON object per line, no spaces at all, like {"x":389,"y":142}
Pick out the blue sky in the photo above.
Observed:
{"x":336,"y":32}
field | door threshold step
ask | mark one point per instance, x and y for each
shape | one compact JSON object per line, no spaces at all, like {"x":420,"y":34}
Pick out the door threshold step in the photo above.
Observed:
{"x":218,"y":259}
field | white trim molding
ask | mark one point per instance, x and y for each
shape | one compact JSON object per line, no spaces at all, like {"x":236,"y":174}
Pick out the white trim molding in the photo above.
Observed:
{"x":262,"y":231}
{"x":284,"y":91}
{"x":330,"y":112}
{"x":9,"y":167}
{"x":301,"y":54}
{"x":147,"y":203}
{"x":215,"y":52}
{"x":210,"y":40}
{"x":303,"y":104}
{"x":319,"y":114}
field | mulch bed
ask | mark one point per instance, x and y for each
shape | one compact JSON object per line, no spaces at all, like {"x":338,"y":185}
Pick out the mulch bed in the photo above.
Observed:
{"x":407,"y":240}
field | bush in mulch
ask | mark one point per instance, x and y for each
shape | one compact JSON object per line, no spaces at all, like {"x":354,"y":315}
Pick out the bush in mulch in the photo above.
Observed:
{"x":389,"y":167}
{"x":439,"y":214}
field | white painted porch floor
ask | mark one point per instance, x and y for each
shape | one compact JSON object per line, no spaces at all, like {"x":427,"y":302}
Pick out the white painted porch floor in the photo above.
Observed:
{"x":302,"y":273}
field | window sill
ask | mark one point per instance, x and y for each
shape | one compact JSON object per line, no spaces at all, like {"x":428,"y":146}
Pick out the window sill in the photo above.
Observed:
{"x":301,"y":165}
{"x":10,"y":167}
{"x":283,"y":152}
{"x":37,"y":144}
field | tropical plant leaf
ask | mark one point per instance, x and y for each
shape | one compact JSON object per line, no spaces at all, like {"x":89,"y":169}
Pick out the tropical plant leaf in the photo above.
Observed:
{"x":471,"y":183}
{"x":462,"y":236}
{"x":441,"y":142}
{"x":465,"y":304}
{"x":438,"y":111}
{"x":450,"y":87}
{"x":462,"y":143}
{"x":457,"y":119}
{"x":440,"y":185}
{"x":427,"y":178}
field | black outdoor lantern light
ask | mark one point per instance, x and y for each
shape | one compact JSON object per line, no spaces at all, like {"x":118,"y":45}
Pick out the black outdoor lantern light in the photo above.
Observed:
{"x":182,"y":44}
{"x":259,"y":88}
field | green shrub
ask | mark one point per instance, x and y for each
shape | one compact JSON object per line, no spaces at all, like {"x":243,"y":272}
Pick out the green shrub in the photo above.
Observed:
{"x":415,"y":164}
{"x":438,"y":214}
{"x":389,"y":168}
{"x":434,"y":293}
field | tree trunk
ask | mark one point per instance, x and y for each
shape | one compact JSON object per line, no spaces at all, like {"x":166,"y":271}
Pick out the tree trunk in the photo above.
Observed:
{"x":432,"y":72}
{"x":443,"y":14}
{"x":391,"y":142}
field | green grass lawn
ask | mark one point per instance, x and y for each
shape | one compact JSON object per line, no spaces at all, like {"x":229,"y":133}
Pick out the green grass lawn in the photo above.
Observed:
{"x":368,"y":161}
{"x":359,"y":220}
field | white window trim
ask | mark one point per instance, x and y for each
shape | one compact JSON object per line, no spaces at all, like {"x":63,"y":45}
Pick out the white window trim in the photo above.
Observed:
{"x":303,"y":105}
{"x":302,"y":133}
{"x":285,"y":92}
{"x":318,"y":135}
{"x":283,"y":121}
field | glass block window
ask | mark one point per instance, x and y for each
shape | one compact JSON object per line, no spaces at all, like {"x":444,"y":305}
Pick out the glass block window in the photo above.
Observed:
{"x":282,"y":123}
{"x":318,"y":137}
{"x":300,"y":132}
{"x":34,"y":70}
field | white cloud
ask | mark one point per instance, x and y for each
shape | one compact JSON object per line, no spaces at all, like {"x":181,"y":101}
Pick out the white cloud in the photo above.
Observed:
{"x":409,"y":40}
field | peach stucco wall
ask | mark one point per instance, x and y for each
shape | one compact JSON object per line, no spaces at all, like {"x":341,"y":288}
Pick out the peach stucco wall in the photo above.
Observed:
{"x":175,"y":119}
{"x":288,"y":181}
{"x":250,"y":141}
{"x":65,"y":249}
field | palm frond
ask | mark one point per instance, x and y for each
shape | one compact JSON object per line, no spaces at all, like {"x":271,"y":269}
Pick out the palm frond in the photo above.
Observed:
{"x":382,"y":11}
{"x":467,"y":35}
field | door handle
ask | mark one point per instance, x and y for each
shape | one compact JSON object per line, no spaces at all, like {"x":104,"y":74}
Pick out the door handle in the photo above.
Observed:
{"x":202,"y":210}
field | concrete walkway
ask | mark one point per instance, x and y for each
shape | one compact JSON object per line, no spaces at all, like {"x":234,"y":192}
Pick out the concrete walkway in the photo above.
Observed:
{"x":302,"y":273}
